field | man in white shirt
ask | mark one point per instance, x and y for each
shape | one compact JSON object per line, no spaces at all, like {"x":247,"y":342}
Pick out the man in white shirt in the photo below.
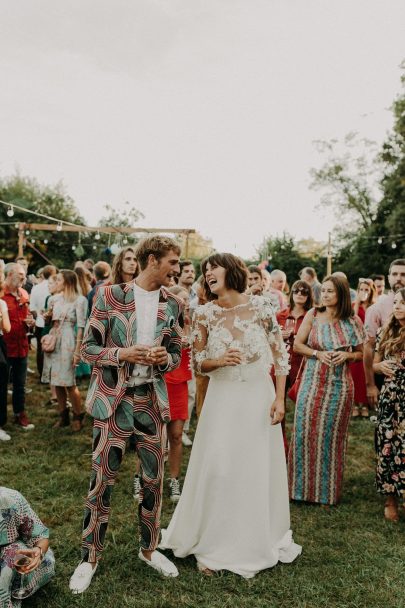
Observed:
{"x":38,"y":296}
{"x":133,"y":337}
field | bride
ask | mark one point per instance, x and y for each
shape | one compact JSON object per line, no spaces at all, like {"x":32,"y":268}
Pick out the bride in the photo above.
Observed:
{"x":233,"y":513}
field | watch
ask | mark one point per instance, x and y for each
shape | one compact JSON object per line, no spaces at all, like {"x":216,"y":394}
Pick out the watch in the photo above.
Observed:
{"x":314,"y":354}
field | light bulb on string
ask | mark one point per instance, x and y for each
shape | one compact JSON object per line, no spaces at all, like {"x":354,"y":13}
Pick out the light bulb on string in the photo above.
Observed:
{"x":379,"y":240}
{"x":59,"y":227}
{"x":125,"y":241}
{"x":10,"y":211}
{"x":394,"y":245}
{"x":73,"y":247}
{"x":33,"y":241}
{"x":45,"y":241}
{"x":97,"y":236}
{"x":94,"y":246}
{"x":374,"y":217}
{"x":27,"y":232}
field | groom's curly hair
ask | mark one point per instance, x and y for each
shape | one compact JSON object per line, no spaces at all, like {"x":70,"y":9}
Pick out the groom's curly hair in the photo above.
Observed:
{"x":236,"y":272}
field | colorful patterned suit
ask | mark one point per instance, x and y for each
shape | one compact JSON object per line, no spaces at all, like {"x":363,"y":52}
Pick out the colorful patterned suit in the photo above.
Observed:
{"x":120,"y":411}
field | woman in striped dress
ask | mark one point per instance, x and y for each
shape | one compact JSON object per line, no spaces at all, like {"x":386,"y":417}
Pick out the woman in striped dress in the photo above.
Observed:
{"x":330,"y":337}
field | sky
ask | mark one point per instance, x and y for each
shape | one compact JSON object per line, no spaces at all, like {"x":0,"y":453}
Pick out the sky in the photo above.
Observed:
{"x":201,"y":113}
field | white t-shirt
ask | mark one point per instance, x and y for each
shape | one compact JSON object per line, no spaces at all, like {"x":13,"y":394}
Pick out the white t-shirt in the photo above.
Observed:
{"x":38,"y":296}
{"x":147,"y":304}
{"x":3,"y":309}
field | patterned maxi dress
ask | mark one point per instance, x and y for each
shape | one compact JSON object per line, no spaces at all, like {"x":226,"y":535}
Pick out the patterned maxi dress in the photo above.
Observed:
{"x":58,"y":366}
{"x":20,"y":528}
{"x":390,"y":432}
{"x":325,"y":398}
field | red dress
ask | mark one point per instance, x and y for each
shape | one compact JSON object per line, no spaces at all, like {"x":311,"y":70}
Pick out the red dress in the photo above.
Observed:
{"x":294,"y":358}
{"x":177,"y":388}
{"x":357,"y":371}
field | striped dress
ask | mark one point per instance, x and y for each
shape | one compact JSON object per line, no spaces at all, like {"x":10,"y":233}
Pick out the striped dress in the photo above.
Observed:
{"x":324,"y":401}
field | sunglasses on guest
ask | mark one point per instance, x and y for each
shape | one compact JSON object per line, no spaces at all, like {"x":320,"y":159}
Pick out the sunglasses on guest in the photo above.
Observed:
{"x":301,"y":290}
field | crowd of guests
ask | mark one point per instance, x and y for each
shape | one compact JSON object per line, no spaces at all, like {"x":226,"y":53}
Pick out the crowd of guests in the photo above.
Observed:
{"x":346,"y":352}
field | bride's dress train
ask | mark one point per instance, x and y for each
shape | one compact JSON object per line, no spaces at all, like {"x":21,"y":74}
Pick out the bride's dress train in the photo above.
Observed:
{"x":233,"y":513}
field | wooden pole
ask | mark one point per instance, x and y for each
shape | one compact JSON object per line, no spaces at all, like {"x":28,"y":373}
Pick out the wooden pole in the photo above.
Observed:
{"x":21,"y":228}
{"x":329,"y":256}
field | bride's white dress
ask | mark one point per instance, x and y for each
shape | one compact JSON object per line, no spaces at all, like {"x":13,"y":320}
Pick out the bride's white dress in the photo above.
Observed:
{"x":233,"y":513}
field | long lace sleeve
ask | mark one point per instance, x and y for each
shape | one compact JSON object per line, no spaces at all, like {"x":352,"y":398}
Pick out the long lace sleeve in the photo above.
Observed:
{"x":275,"y":339}
{"x":199,"y":338}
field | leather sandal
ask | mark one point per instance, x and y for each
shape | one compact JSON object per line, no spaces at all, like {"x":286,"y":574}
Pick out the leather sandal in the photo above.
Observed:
{"x":356,"y":412}
{"x":77,"y":422}
{"x":63,"y":421}
{"x":364,"y":411}
{"x":391,"y":511}
{"x":204,"y":570}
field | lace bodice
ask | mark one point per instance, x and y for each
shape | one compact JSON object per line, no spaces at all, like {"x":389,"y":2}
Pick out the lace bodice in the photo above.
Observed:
{"x":252,"y":327}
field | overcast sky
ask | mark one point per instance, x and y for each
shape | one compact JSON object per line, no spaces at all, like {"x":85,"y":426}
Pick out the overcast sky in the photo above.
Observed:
{"x":201,"y":113}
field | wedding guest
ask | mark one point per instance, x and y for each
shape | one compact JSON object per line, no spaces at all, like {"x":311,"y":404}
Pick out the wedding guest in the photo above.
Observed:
{"x":67,"y":309}
{"x":177,"y":383}
{"x":379,"y":284}
{"x":329,"y":337}
{"x":124,"y":266}
{"x":201,"y":380}
{"x":39,"y":294}
{"x":84,"y":280}
{"x":16,"y":340}
{"x":102,"y":274}
{"x":376,"y":316}
{"x":389,"y":360}
{"x":236,"y":337}
{"x":23,"y":538}
{"x":308,"y":274}
{"x":5,"y":327}
{"x":365,"y":297}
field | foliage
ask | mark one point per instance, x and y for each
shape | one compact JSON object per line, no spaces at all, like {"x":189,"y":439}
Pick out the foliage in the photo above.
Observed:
{"x":351,"y":557}
{"x":26,"y":192}
{"x":283,"y":253}
{"x":373,"y":231}
{"x":127,"y":217}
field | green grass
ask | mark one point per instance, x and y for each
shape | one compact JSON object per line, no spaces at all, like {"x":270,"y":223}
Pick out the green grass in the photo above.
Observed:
{"x":351,"y":557}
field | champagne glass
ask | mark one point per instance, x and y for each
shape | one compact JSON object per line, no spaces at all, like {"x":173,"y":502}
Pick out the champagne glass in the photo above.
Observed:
{"x":238,"y":370}
{"x":22,"y":592}
{"x":290,"y":326}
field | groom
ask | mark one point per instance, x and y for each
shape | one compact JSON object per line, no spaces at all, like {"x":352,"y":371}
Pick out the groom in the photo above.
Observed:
{"x":133,"y":337}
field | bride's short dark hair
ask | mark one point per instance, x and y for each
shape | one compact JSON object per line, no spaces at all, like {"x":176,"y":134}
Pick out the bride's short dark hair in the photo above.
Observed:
{"x":236,"y":271}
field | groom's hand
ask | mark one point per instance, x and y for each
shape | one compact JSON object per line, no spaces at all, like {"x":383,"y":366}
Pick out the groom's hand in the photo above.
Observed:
{"x":158,"y":355}
{"x":135,"y":354}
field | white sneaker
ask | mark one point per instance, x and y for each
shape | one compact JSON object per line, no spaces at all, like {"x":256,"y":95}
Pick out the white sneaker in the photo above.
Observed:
{"x":137,"y":487}
{"x":175,"y":492}
{"x":160,"y":563}
{"x":81,"y":577}
{"x":186,"y":441}
{"x":4,"y":436}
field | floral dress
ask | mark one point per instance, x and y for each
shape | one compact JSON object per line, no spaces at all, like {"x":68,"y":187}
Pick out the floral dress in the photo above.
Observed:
{"x":390,"y":432}
{"x":58,"y":365}
{"x":20,"y":528}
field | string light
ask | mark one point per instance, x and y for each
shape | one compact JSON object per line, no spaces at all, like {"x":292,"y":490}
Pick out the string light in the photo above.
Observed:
{"x":33,"y":241}
{"x":10,"y":211}
{"x":59,"y":227}
{"x":394,"y":245}
{"x":97,"y":236}
{"x":94,"y":246}
{"x":73,"y":247}
{"x":379,"y":240}
{"x":45,"y":241}
{"x":125,"y":241}
{"x":27,"y":232}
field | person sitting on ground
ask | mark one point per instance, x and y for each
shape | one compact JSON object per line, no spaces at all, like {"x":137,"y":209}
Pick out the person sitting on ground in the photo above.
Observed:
{"x":26,"y":561}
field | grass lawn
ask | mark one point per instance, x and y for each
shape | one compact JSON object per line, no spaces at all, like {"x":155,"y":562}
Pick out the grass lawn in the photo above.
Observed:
{"x":351,"y":557}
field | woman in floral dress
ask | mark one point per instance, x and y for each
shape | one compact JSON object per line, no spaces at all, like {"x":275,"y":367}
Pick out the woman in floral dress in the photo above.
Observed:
{"x":68,"y":312}
{"x":390,"y":435}
{"x":22,"y":533}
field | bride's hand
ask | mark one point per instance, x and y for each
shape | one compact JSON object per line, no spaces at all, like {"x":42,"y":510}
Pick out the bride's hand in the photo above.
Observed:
{"x":233,"y":356}
{"x":277,"y":411}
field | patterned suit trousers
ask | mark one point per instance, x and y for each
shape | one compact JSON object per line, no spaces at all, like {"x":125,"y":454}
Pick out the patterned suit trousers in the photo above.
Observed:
{"x":138,"y":414}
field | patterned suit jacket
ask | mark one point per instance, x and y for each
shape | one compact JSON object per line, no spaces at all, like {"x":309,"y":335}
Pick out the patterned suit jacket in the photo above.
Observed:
{"x":111,"y":326}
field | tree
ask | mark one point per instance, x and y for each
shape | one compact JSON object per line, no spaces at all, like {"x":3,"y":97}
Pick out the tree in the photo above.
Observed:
{"x":53,"y":201}
{"x":125,"y":218}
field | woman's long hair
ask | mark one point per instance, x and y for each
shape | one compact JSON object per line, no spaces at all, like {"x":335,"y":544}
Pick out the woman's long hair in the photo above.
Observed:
{"x":84,"y":280}
{"x":392,"y":337}
{"x":71,"y":285}
{"x":371,"y":298}
{"x":344,"y":308}
{"x":116,"y":271}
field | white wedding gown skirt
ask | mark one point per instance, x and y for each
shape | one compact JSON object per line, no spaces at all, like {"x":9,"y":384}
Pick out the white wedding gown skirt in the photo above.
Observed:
{"x":234,"y":513}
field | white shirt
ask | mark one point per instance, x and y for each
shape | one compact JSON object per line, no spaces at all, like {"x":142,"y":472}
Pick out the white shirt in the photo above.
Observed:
{"x":146,"y":304}
{"x":3,"y":309}
{"x":38,"y":296}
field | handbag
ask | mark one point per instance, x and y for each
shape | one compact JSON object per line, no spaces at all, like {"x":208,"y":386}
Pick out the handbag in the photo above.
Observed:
{"x":48,"y":342}
{"x":293,"y":391}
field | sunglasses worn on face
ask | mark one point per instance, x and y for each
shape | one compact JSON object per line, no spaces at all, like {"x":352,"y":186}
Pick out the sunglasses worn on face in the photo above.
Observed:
{"x":301,"y":290}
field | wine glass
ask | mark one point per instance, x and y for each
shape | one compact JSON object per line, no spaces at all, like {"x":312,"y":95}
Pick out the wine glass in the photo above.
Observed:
{"x":238,"y":368}
{"x":290,"y":326}
{"x":22,"y":592}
